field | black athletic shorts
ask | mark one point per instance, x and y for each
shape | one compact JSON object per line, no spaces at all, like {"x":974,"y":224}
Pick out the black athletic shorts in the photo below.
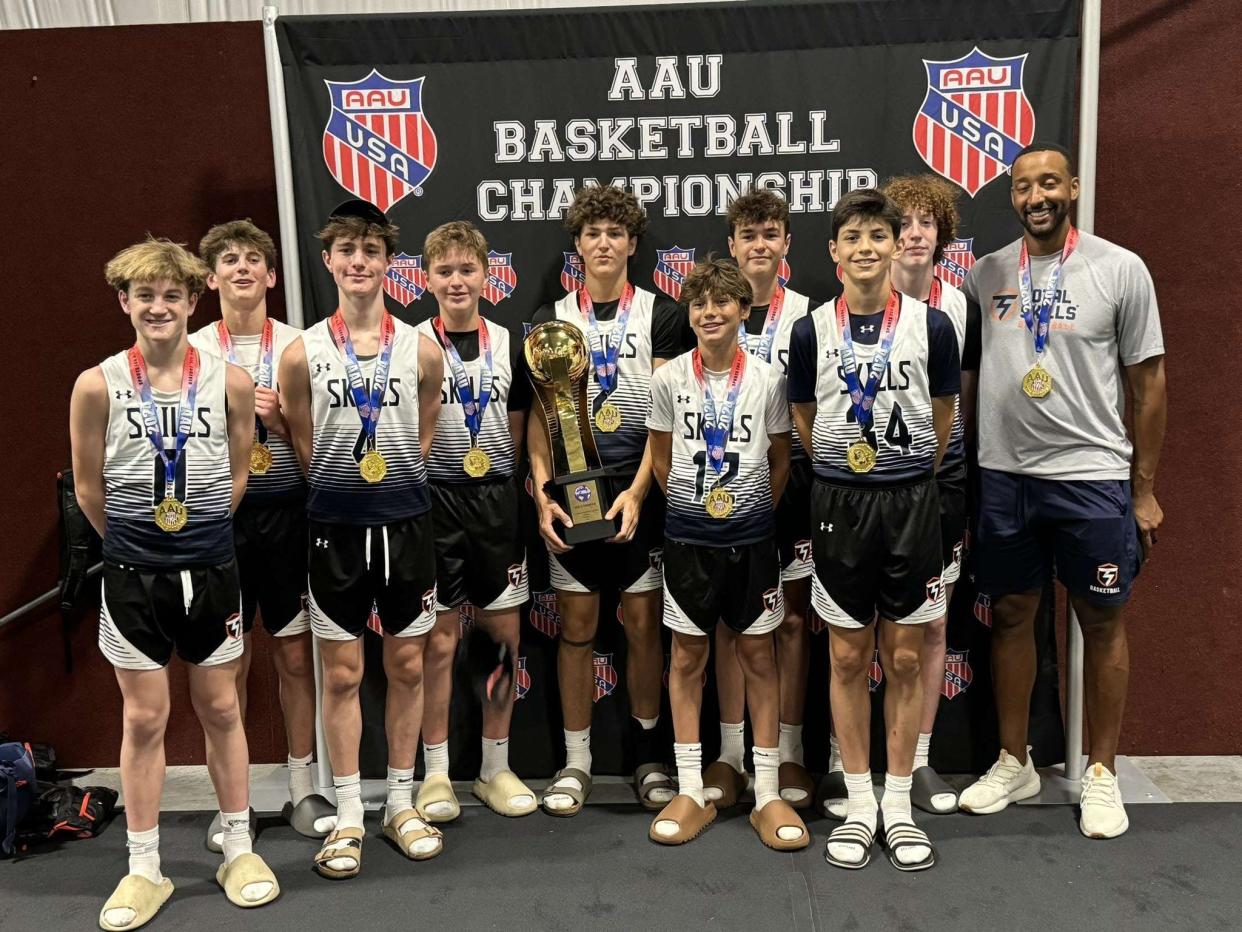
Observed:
{"x":793,"y":522}
{"x":480,"y":554}
{"x":951,"y":487}
{"x":877,"y":550}
{"x":740,"y":586}
{"x":271,"y":557}
{"x":146,"y":613}
{"x":356,"y":570}
{"x":628,"y":567}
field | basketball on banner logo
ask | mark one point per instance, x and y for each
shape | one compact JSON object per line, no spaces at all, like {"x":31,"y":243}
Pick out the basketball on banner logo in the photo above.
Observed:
{"x":875,"y":673}
{"x":378,"y":144}
{"x":672,"y":267}
{"x":544,"y":614}
{"x":521,"y":682}
{"x":573,"y":272}
{"x":958,"y":259}
{"x":782,"y":272}
{"x":957,"y":673}
{"x":974,"y":119}
{"x":406,"y":281}
{"x":605,"y":675}
{"x":983,"y":609}
{"x":465,"y":617}
{"x":501,"y":278}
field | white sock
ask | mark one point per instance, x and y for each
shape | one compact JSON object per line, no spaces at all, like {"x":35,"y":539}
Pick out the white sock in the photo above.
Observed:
{"x":767,"y":782}
{"x":577,"y":756}
{"x":301,"y":780}
{"x":790,"y":744}
{"x":349,"y":811}
{"x":435,"y":758}
{"x":689,"y":758}
{"x":400,"y":791}
{"x":733,"y":744}
{"x":144,"y":861}
{"x":861,"y":809}
{"x":922,"y":750}
{"x":647,"y":723}
{"x":236,"y":842}
{"x":895,"y":805}
{"x":834,"y":755}
{"x":495,"y":758}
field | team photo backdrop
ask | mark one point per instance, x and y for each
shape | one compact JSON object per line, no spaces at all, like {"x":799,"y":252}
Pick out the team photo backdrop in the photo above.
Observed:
{"x":499,"y":118}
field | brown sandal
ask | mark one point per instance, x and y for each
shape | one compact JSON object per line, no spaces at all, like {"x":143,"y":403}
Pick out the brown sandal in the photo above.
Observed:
{"x":774,"y":816}
{"x":794,"y":776}
{"x":724,"y":778}
{"x":691,"y":819}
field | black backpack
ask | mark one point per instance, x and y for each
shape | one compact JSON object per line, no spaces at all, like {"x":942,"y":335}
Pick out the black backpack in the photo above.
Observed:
{"x":17,"y":791}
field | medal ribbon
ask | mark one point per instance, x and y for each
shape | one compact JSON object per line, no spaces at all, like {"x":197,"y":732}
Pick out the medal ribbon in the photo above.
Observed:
{"x":934,"y":296}
{"x":864,"y":398}
{"x":267,"y":344}
{"x":604,"y":351}
{"x":368,"y":406}
{"x":472,"y":407}
{"x":1038,"y":319}
{"x":716,"y":429}
{"x":770,"y":323}
{"x":151,"y":415}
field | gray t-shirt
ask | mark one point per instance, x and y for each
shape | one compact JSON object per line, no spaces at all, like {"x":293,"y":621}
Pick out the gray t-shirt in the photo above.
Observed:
{"x":1105,"y":317}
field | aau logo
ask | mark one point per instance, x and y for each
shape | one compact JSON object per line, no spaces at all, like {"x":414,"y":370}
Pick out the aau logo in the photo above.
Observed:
{"x":406,"y":280}
{"x":983,"y":609}
{"x":672,"y":267}
{"x":501,"y":277}
{"x":544,"y":614}
{"x":974,"y":119}
{"x":573,"y":273}
{"x":377,"y":143}
{"x":957,"y":673}
{"x":957,"y":260}
{"x":875,"y":673}
{"x":605,"y":675}
{"x":521,"y":681}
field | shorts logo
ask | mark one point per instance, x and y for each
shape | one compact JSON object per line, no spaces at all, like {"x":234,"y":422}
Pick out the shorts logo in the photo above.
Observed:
{"x":233,"y":626}
{"x":935,"y":589}
{"x":1106,"y":574}
{"x":672,"y":267}
{"x":377,"y":143}
{"x":517,"y":575}
{"x":802,"y":551}
{"x":605,"y":675}
{"x":983,"y":609}
{"x":501,"y":277}
{"x":957,"y":673}
{"x":582,"y":493}
{"x":875,"y":673}
{"x":773,"y":599}
{"x":668,"y":668}
{"x":975,"y":118}
{"x":544,"y":615}
{"x":655,"y":559}
{"x":783,"y":273}
{"x":406,"y":280}
{"x":817,"y":624}
{"x":429,"y":601}
{"x":373,"y":620}
{"x":958,"y":259}
{"x":521,"y":680}
{"x":573,"y":272}
{"x":466,"y":617}
{"x":957,"y":553}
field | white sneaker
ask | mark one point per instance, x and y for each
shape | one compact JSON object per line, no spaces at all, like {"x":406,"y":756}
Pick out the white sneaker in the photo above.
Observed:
{"x":1006,"y":782}
{"x":1103,"y":815}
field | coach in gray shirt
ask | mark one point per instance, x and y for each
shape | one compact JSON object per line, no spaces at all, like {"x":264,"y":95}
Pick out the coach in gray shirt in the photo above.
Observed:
{"x":1065,"y":321}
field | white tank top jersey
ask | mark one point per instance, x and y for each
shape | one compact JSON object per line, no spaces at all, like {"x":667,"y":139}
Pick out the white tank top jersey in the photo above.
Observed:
{"x":623,"y":448}
{"x":924,"y":363}
{"x":953,"y":306}
{"x":134,"y":473}
{"x":796,"y":307}
{"x":283,"y":482}
{"x":452,"y":439}
{"x":762,"y":409}
{"x":338,"y":493}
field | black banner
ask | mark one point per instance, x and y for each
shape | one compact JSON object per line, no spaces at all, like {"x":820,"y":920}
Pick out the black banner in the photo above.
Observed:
{"x":500,"y":117}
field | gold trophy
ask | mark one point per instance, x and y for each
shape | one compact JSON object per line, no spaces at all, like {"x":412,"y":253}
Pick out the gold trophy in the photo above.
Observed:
{"x":559,"y":367}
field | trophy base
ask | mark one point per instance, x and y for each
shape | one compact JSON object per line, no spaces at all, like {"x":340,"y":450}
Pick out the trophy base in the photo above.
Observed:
{"x":586,"y":497}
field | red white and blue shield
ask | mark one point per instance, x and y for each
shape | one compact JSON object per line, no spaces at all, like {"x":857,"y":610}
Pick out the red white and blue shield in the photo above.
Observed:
{"x":783,"y":274}
{"x":521,"y":682}
{"x":975,"y":118}
{"x":378,"y":144}
{"x":501,"y":278}
{"x":573,"y":272}
{"x":957,"y":673}
{"x":672,"y":267}
{"x":956,"y":261}
{"x":875,"y":673}
{"x":983,"y":609}
{"x":545,"y":617}
{"x":465,"y":617}
{"x":406,"y":280}
{"x":605,"y":675}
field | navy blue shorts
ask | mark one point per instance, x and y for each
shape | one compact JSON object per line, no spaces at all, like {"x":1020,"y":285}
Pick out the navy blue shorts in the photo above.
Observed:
{"x":1082,"y":529}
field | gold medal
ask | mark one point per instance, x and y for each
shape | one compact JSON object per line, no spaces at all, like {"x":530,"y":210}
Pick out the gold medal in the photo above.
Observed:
{"x":372,"y":466}
{"x":1038,"y":382}
{"x":860,"y":456}
{"x":476,"y":463}
{"x":608,"y":418}
{"x":260,"y":459}
{"x":719,"y":503}
{"x":171,"y":515}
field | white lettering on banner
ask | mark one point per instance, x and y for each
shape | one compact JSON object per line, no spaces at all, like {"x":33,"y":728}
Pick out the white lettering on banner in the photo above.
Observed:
{"x":627,"y":85}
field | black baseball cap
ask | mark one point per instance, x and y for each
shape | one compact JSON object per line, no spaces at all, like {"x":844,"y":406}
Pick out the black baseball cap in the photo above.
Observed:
{"x":363,"y":210}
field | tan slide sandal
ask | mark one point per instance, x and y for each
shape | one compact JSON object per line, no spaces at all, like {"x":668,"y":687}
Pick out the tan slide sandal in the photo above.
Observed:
{"x":497,"y":792}
{"x":437,"y":788}
{"x":776,"y":815}
{"x":342,"y":843}
{"x":690,"y":817}
{"x":136,"y":893}
{"x":241,"y":872}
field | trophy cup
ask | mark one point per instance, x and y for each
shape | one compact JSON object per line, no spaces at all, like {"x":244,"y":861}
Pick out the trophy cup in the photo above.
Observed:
{"x":559,"y":367}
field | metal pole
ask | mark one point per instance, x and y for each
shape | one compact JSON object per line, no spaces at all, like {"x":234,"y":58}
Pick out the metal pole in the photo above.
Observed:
{"x":284,"y":170}
{"x":41,"y":600}
{"x":1073,"y":697}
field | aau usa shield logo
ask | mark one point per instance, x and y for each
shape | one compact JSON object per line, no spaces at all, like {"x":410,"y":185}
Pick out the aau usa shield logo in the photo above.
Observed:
{"x":406,"y":280}
{"x":958,"y":259}
{"x":974,"y":119}
{"x":875,"y":673}
{"x":672,"y":267}
{"x":957,"y":673}
{"x":544,"y":614}
{"x":521,"y":682}
{"x":983,"y":609}
{"x":605,"y":675}
{"x":378,"y":144}
{"x":501,"y":278}
{"x":573,"y":273}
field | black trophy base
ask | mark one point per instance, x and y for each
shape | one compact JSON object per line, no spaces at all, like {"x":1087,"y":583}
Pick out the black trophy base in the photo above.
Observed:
{"x":586,"y":498}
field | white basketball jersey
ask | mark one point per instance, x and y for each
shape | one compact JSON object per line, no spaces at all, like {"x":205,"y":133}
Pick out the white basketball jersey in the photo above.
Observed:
{"x":796,"y":307}
{"x":338,"y":493}
{"x":624,"y":446}
{"x":134,"y":473}
{"x":284,"y":480}
{"x":452,"y":440}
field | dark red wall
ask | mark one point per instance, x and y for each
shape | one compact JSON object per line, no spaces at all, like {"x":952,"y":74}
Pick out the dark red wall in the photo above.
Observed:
{"x":113,"y":132}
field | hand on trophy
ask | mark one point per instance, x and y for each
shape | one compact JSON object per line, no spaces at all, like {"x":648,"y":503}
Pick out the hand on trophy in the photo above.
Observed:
{"x":549,"y":511}
{"x":628,"y":505}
